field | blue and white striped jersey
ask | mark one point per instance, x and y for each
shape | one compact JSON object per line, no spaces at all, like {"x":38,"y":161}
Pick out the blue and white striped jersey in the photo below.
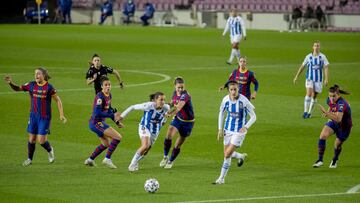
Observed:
{"x":315,"y":66}
{"x":236,"y":26}
{"x":153,"y":118}
{"x":236,"y":113}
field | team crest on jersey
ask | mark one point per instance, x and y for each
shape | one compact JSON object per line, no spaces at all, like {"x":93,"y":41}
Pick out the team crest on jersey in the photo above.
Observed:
{"x":99,"y":102}
{"x":241,"y":106}
{"x":100,"y":124}
{"x":341,"y":107}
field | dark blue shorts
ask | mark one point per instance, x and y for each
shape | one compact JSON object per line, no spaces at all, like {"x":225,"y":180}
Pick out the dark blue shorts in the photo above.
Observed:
{"x":341,"y":134}
{"x":184,"y":128}
{"x":98,"y":127}
{"x":38,"y":125}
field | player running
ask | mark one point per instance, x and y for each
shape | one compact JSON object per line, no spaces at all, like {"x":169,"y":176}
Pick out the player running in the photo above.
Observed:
{"x":101,"y":110}
{"x":237,"y":107}
{"x":236,"y":26}
{"x":149,"y":127}
{"x":340,"y":123}
{"x":183,"y":122}
{"x":317,"y":64}
{"x":97,"y":70}
{"x":41,"y":92}
{"x":244,"y":77}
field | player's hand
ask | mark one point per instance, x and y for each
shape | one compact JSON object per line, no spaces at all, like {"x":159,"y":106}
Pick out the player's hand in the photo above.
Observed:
{"x":7,"y":79}
{"x":253,"y":95}
{"x":63,"y":119}
{"x":295,"y":80}
{"x":326,"y":82}
{"x":243,"y":130}
{"x":244,"y":38}
{"x":121,"y":85}
{"x":117,"y":117}
{"x":220,"y":134}
{"x":322,"y":109}
{"x":119,"y":124}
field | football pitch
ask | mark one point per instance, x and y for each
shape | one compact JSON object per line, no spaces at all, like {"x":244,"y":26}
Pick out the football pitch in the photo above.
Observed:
{"x":281,"y":146}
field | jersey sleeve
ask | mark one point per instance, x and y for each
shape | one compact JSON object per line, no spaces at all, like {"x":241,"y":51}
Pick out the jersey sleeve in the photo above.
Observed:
{"x":306,"y":61}
{"x":221,"y":113}
{"x":144,"y":107}
{"x":341,"y":106}
{"x":255,"y":82}
{"x":52,"y":91}
{"x":251,"y":111}
{"x":226,"y":27}
{"x":326,"y":62}
{"x":109,"y":69}
{"x":328,"y":101}
{"x":25,"y":87}
{"x":184,"y":97}
{"x":243,"y":29}
{"x":89,"y":74}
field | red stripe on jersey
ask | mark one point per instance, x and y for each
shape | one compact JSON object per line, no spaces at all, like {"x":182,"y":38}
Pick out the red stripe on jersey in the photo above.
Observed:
{"x":34,"y":97}
{"x":43,"y":100}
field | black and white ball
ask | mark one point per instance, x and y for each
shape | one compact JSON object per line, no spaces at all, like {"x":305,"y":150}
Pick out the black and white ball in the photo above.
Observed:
{"x":151,"y":185}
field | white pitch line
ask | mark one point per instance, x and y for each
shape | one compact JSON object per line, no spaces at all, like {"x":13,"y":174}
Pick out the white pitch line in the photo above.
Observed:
{"x":165,"y":78}
{"x":354,"y":189}
{"x":270,"y":197}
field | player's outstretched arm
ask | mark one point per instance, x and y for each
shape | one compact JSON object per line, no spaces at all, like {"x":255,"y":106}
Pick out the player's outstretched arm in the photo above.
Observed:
{"x":13,"y":86}
{"x":60,"y":108}
{"x":118,"y":77}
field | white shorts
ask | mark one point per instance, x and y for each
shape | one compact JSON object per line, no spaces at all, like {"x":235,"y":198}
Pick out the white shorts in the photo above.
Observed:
{"x":144,"y":132}
{"x":234,"y":138}
{"x":316,"y":86}
{"x":235,"y":39}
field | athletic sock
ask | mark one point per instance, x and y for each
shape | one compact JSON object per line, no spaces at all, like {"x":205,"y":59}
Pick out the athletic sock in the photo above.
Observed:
{"x":307,"y":101}
{"x":46,"y":146}
{"x":167,"y":146}
{"x":137,"y":157}
{"x":312,"y":102}
{"x":321,"y":148}
{"x":237,"y":54}
{"x":114,"y":143}
{"x":337,"y":152}
{"x":236,"y":155}
{"x":174,"y":154}
{"x":98,"y":151}
{"x":31,"y":150}
{"x":225,"y":167}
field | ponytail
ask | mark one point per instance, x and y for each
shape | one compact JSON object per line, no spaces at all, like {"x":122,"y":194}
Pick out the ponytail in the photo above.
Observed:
{"x":336,"y":89}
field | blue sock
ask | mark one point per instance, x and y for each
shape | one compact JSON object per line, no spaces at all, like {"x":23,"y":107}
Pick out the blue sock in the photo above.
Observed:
{"x":174,"y":154}
{"x":31,"y":150}
{"x":167,"y":146}
{"x":98,"y":151}
{"x":47,"y":146}
{"x":321,"y":148}
{"x":114,"y":143}
{"x":337,"y":152}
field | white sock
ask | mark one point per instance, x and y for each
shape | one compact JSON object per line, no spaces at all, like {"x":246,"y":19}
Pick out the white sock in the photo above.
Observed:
{"x":232,"y":54}
{"x":225,"y":167}
{"x":136,"y":158}
{"x":307,"y":103}
{"x":313,"y":101}
{"x":237,"y":54}
{"x":236,"y":155}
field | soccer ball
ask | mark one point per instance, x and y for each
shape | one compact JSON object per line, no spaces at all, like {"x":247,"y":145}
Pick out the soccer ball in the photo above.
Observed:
{"x":151,"y":185}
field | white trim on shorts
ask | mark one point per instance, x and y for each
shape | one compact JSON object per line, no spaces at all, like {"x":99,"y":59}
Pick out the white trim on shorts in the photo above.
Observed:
{"x":144,"y":132}
{"x":235,"y":39}
{"x":234,"y":138}
{"x":316,"y":86}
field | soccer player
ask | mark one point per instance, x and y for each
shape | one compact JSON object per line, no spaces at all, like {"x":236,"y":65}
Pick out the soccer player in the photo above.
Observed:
{"x":183,"y":122}
{"x":236,"y":26}
{"x":149,"y":127}
{"x":244,"y":77}
{"x":41,"y":92}
{"x":317,"y":64}
{"x":108,"y":136}
{"x":97,"y":70}
{"x":340,"y":123}
{"x":236,"y":127}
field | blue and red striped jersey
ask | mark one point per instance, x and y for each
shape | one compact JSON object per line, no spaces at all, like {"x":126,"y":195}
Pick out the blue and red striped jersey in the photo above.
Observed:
{"x":341,"y":105}
{"x":40,"y":96}
{"x":244,"y":79}
{"x":102,"y":107}
{"x":187,"y":112}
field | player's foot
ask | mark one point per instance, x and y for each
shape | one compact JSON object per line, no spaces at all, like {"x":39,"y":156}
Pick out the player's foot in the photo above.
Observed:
{"x":318,"y":164}
{"x":333,"y":164}
{"x":90,"y":162}
{"x":169,"y":165}
{"x":51,"y":156}
{"x":108,"y":163}
{"x":133,"y":167}
{"x":27,"y":162}
{"x":163,"y":161}
{"x":308,"y":115}
{"x":219,"y":181}
{"x":241,"y":160}
{"x":305,"y":115}
{"x":228,"y":62}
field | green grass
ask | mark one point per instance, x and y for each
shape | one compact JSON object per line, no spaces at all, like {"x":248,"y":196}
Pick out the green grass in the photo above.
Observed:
{"x":281,"y":145}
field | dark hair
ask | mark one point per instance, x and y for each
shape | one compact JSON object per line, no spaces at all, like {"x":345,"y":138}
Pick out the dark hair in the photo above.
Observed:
{"x":155,"y":95}
{"x":45,"y":73}
{"x":179,"y":80}
{"x":230,"y":82}
{"x":103,"y":79}
{"x":95,"y":55}
{"x":336,"y":89}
